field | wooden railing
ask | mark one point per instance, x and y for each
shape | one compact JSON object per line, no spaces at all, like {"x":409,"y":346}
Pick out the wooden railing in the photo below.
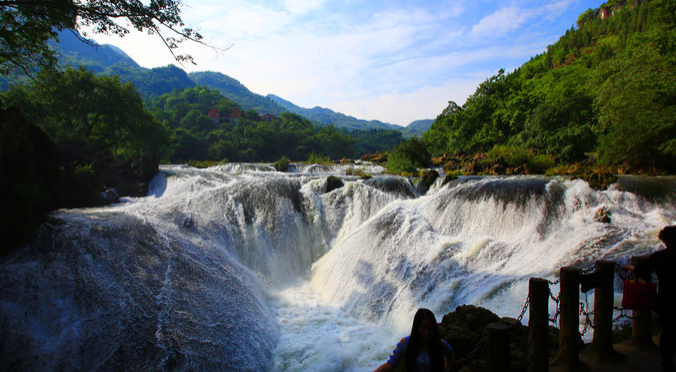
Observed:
{"x":601,"y":349}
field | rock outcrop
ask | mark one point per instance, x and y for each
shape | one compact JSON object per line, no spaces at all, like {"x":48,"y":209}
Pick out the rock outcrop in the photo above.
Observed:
{"x":464,"y":329}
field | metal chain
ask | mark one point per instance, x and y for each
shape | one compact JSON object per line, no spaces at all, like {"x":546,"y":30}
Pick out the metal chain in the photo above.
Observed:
{"x":523,"y":312}
{"x":588,"y":315}
{"x":484,"y":335}
{"x":588,"y":270}
{"x":556,"y":299}
{"x":476,"y":349}
{"x":623,"y":314}
{"x":554,"y":282}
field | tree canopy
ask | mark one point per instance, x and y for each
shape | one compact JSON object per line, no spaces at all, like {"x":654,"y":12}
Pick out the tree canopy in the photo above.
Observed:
{"x":605,"y":90}
{"x":26,"y":26}
{"x":76,"y":106}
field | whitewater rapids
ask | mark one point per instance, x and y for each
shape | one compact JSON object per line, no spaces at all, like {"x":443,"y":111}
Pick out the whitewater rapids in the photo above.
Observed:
{"x":241,"y":268}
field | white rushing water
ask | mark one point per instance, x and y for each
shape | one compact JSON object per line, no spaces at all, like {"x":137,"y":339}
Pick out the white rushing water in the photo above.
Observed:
{"x":239,"y":267}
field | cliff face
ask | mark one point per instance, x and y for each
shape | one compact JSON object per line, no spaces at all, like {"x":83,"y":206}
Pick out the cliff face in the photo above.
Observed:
{"x":612,"y":7}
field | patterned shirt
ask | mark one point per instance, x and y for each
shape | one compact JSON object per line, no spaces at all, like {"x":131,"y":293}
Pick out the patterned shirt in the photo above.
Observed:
{"x":423,"y":360}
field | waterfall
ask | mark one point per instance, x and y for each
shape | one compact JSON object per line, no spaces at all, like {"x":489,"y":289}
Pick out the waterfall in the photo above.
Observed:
{"x":240,"y":267}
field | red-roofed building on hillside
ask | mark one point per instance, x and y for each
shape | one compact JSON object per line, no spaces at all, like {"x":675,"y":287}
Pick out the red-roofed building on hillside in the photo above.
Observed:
{"x":267,"y":117}
{"x":218,"y":117}
{"x":214,"y":115}
{"x":236,"y":114}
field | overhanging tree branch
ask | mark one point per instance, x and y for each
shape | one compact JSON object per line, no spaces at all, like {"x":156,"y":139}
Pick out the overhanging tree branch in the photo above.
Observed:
{"x":26,"y":26}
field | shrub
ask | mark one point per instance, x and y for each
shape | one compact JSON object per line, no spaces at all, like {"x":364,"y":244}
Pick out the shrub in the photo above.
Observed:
{"x":514,"y":157}
{"x":318,"y":158}
{"x":399,"y":164}
{"x":282,"y":165}
{"x":202,"y":164}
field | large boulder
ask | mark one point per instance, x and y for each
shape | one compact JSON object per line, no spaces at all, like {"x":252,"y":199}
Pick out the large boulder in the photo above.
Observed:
{"x":333,"y":182}
{"x":464,"y":329}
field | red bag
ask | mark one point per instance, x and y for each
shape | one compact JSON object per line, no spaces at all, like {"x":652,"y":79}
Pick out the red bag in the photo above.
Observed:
{"x":639,"y":295}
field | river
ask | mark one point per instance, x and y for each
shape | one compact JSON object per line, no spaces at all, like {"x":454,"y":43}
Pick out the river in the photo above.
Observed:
{"x":241,"y":268}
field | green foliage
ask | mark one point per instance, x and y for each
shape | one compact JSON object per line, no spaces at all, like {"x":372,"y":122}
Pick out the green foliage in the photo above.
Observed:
{"x":203,"y":164}
{"x":27,"y":26}
{"x":374,"y":140}
{"x":606,"y":87}
{"x":282,"y":165}
{"x":235,"y":91}
{"x":195,"y":136}
{"x":514,"y":157}
{"x":398,"y":163}
{"x":408,"y":156}
{"x":415,"y":150}
{"x":318,"y":158}
{"x":77,"y":106}
{"x":635,"y":101}
{"x":103,"y":133}
{"x":359,"y":172}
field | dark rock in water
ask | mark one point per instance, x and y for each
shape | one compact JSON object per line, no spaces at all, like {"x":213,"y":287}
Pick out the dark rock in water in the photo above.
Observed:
{"x":449,"y":178}
{"x":399,"y":186}
{"x":110,"y":196}
{"x":603,"y":215}
{"x":429,"y":177}
{"x":333,"y":182}
{"x":464,"y":329}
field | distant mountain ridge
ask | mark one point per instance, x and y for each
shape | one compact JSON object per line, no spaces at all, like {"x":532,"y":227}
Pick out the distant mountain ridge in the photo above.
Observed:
{"x":110,"y":60}
{"x":326,"y":116}
{"x":236,"y":91}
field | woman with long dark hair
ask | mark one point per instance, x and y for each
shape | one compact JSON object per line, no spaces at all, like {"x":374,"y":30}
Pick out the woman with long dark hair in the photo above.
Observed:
{"x":423,"y":350}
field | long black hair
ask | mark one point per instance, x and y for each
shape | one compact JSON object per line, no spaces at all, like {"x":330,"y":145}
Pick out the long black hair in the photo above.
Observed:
{"x":415,"y":342}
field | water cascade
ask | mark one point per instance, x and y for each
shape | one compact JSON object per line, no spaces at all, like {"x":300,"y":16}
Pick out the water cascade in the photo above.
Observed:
{"x":239,"y":267}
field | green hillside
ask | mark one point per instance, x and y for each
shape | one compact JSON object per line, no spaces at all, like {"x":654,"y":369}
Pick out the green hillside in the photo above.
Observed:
{"x":606,"y":90}
{"x":110,"y":61}
{"x":107,"y":60}
{"x":234,"y":90}
{"x":324,"y":116}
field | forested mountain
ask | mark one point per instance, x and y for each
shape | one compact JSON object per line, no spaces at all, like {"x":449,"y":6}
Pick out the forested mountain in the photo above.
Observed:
{"x":109,"y":60}
{"x":228,"y":134}
{"x":417,"y":128}
{"x":234,"y":90}
{"x":326,"y":116}
{"x":606,"y":90}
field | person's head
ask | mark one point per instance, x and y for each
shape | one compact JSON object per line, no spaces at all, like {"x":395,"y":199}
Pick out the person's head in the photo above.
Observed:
{"x":424,"y":333}
{"x":668,"y":236}
{"x":425,"y":325}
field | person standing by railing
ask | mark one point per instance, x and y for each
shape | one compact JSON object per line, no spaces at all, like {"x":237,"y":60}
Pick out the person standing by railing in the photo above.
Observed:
{"x":663,"y":263}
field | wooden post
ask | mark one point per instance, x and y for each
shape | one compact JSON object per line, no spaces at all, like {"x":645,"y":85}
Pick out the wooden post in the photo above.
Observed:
{"x":498,"y":358}
{"x":641,"y":329}
{"x":538,"y":325}
{"x":569,"y":325}
{"x":601,"y":349}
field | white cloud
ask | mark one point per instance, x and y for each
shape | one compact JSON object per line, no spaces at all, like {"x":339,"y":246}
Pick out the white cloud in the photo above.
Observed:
{"x":303,"y":6}
{"x":363,"y":58}
{"x":500,"y":22}
{"x":404,"y":108}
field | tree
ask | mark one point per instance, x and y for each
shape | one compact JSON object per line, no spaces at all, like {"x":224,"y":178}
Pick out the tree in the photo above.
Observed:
{"x":77,"y":106}
{"x":26,"y":26}
{"x":635,"y":105}
{"x":104,"y":134}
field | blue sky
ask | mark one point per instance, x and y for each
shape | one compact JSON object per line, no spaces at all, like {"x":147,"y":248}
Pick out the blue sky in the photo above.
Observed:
{"x":394,"y":61}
